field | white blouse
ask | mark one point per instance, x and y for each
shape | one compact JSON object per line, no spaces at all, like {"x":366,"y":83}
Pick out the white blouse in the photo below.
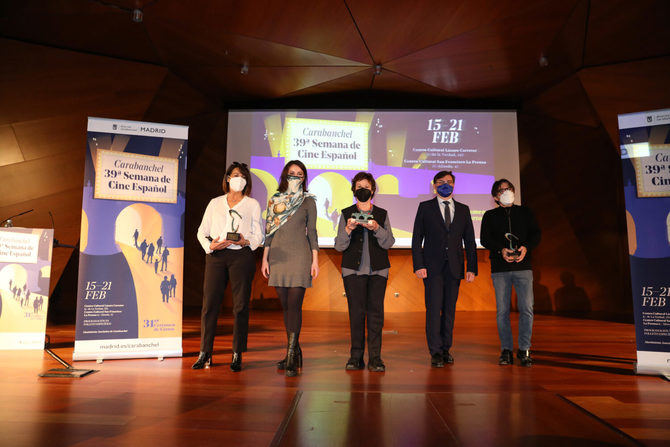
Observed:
{"x":217,"y":222}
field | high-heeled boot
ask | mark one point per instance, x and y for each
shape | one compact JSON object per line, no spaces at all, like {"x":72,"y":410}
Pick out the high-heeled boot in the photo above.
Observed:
{"x":236,"y":363}
{"x":281,"y":365}
{"x":204,"y":361}
{"x":292,"y":355}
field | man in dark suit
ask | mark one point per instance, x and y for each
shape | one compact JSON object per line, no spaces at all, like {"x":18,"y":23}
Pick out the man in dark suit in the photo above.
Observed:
{"x":441,"y":226}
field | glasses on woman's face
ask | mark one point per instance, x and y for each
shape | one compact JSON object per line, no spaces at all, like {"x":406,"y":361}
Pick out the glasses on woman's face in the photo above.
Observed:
{"x":296,"y":173}
{"x":502,"y":190}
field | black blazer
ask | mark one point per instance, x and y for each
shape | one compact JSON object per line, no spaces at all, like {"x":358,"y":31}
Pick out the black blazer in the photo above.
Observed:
{"x":430,"y":239}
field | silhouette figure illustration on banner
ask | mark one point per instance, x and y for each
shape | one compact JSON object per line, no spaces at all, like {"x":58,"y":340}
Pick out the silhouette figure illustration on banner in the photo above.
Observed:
{"x":165,"y":289}
{"x":150,"y":253}
{"x":164,"y":258}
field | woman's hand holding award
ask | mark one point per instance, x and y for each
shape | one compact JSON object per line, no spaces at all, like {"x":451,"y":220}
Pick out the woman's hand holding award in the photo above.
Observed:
{"x":233,"y":236}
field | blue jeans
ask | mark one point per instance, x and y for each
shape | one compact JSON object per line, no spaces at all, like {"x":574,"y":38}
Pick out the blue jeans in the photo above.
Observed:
{"x":523,"y":283}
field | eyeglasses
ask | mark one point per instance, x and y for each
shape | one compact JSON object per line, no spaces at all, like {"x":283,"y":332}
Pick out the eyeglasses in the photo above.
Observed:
{"x":502,"y":190}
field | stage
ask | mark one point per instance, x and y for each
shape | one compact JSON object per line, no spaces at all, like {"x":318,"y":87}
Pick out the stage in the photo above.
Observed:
{"x":581,"y":391}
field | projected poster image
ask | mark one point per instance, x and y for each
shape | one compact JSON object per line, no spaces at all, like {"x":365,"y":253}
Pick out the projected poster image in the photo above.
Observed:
{"x":402,"y":149}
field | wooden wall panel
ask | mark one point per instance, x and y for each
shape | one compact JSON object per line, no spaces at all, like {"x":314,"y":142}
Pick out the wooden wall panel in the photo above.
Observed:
{"x":39,"y":82}
{"x":573,"y":183}
{"x":47,"y":94}
{"x":324,"y":27}
{"x":408,"y":27}
{"x":623,"y":30}
{"x":87,"y":26}
{"x":50,"y":136}
{"x":627,"y":88}
{"x":11,"y":152}
{"x":566,"y":101}
{"x":482,"y":63}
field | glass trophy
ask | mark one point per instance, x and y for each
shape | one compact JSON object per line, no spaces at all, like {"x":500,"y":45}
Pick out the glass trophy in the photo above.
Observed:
{"x":233,"y":235}
{"x":513,"y":245}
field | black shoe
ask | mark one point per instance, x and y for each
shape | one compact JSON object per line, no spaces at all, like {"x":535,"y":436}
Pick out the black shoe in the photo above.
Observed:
{"x":236,"y":363}
{"x":204,"y":361}
{"x":281,"y":365}
{"x":376,"y":365}
{"x":437,"y":361}
{"x":354,"y":364}
{"x":524,"y":357}
{"x":291,"y":367}
{"x":448,"y":359}
{"x":506,"y":357}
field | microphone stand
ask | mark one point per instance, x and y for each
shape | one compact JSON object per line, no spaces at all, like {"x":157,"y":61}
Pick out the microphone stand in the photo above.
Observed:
{"x":68,"y":370}
{"x":7,"y":223}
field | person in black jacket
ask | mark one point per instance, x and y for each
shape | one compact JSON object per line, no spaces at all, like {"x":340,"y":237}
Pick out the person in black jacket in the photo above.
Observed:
{"x":441,"y":227}
{"x":365,"y":267}
{"x":510,"y":232}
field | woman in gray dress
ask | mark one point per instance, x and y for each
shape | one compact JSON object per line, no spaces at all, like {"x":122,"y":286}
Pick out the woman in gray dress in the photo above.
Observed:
{"x":291,"y":255}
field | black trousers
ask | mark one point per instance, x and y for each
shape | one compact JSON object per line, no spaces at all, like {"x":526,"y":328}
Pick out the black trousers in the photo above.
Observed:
{"x":441,"y":294}
{"x":365,"y":297}
{"x":239,"y":267}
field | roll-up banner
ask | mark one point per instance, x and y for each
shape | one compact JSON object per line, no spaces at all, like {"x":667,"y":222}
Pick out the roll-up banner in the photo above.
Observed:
{"x":645,"y":157}
{"x":25,"y":270}
{"x":129,"y":301}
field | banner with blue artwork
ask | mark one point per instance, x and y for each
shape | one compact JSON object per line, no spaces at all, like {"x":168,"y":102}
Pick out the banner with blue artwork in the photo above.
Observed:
{"x":129,"y":300}
{"x":25,"y":271}
{"x":645,"y":157}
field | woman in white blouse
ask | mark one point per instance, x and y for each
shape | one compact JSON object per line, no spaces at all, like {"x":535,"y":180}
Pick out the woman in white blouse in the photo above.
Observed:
{"x":230,"y":231}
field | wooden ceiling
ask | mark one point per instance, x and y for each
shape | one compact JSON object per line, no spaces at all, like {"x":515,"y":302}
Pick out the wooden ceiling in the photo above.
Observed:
{"x":450,"y":48}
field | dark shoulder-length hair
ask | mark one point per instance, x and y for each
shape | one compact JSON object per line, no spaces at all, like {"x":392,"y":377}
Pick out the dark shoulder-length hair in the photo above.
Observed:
{"x":283,"y":179}
{"x":244,"y":170}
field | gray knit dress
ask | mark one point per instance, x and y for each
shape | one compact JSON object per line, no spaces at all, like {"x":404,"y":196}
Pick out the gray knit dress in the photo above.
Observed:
{"x":291,"y":246}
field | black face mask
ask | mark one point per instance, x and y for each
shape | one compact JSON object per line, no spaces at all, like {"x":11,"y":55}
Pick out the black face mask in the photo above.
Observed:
{"x":363,"y":194}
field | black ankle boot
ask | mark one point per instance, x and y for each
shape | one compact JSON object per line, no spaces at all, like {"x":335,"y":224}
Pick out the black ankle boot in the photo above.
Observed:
{"x":281,"y":365}
{"x":204,"y":361}
{"x":236,"y":363}
{"x":506,"y":357}
{"x":292,"y":355}
{"x":524,"y":357}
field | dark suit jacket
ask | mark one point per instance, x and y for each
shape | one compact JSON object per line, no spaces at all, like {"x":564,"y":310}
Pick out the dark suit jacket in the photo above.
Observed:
{"x":430,"y":239}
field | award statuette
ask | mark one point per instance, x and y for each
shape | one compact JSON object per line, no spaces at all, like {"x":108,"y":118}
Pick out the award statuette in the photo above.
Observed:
{"x":513,"y":245}
{"x":233,"y":235}
{"x":362,"y":217}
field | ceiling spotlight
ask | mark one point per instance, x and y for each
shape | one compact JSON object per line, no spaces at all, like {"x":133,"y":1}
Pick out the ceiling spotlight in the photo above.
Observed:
{"x":244,"y":69}
{"x":137,"y":15}
{"x":378,"y":69}
{"x":543,"y":61}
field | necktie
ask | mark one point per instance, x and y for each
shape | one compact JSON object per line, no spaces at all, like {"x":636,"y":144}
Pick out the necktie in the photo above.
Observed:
{"x":447,"y":214}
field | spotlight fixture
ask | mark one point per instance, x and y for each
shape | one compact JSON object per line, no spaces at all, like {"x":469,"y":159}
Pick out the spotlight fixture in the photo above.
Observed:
{"x":137,"y":15}
{"x":244,"y":69}
{"x":543,"y":61}
{"x":378,"y":69}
